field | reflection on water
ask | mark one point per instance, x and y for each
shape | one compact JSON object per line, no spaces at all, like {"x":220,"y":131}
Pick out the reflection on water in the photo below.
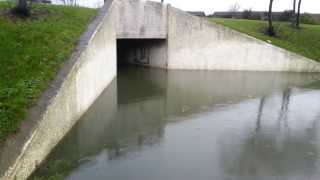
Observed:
{"x":155,"y":124}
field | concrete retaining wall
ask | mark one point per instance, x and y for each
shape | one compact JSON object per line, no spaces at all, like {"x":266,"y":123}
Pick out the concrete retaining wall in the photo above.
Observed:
{"x":195,"y":43}
{"x":89,"y":71}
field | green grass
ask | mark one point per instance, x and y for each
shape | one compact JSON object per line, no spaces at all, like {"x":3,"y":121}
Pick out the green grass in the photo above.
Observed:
{"x":31,"y":52}
{"x":304,"y":41}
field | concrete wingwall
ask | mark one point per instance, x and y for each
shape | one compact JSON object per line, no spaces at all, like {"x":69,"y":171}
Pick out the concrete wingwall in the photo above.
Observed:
{"x":83,"y":78}
{"x":195,"y":43}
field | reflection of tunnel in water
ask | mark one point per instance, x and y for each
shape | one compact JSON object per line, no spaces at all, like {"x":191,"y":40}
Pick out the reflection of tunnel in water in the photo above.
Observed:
{"x":222,"y":124}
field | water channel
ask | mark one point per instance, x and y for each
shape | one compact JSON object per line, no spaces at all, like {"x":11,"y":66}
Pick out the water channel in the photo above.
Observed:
{"x":153,"y":124}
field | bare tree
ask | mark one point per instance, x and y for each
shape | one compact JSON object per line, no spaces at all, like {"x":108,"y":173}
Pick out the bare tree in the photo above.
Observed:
{"x":270,"y":30}
{"x":298,"y":15}
{"x":294,"y":12}
{"x":234,"y":8}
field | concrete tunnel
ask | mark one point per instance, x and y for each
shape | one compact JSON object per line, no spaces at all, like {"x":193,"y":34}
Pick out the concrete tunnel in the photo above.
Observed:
{"x":145,"y":52}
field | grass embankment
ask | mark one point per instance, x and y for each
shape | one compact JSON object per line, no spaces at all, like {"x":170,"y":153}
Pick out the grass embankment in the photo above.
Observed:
{"x":31,"y":52}
{"x":304,"y":41}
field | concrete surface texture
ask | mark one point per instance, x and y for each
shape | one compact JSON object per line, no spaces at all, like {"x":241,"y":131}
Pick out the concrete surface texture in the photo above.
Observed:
{"x":195,"y":43}
{"x":141,"y":19}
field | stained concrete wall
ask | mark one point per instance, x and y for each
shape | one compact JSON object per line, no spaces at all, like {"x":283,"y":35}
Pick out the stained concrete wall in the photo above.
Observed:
{"x":195,"y":43}
{"x":83,"y":78}
{"x":141,"y":19}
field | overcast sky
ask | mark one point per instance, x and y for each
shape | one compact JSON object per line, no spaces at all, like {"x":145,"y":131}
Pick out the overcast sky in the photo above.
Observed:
{"x":209,"y":6}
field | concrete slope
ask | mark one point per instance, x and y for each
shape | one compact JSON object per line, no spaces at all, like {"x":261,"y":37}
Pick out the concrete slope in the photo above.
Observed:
{"x":195,"y":43}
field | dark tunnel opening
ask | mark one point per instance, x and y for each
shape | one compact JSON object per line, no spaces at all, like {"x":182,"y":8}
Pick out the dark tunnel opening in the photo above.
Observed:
{"x":142,"y":52}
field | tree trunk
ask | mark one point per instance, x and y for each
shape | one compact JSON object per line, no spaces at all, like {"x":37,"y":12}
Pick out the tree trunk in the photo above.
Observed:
{"x":298,"y":15}
{"x":293,"y":20}
{"x":21,"y":8}
{"x":22,"y":4}
{"x":270,"y":28}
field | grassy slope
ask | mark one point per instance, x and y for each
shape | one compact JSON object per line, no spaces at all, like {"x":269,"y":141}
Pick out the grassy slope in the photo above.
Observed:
{"x":31,"y":52}
{"x":305,"y":41}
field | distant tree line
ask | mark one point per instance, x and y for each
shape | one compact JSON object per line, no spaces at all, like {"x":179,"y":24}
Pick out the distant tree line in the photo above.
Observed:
{"x":293,"y":15}
{"x":286,"y":15}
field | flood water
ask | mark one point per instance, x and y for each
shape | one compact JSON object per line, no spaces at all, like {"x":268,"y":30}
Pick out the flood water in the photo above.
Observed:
{"x":153,"y":124}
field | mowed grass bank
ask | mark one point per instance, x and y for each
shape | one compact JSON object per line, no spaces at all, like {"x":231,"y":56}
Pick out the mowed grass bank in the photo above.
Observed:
{"x":304,"y":41}
{"x":31,"y":52}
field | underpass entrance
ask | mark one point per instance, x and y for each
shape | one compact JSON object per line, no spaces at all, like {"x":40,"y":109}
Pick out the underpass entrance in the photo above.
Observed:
{"x":145,"y":52}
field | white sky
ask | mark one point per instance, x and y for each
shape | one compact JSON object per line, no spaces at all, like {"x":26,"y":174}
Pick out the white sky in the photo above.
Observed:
{"x":209,"y":6}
